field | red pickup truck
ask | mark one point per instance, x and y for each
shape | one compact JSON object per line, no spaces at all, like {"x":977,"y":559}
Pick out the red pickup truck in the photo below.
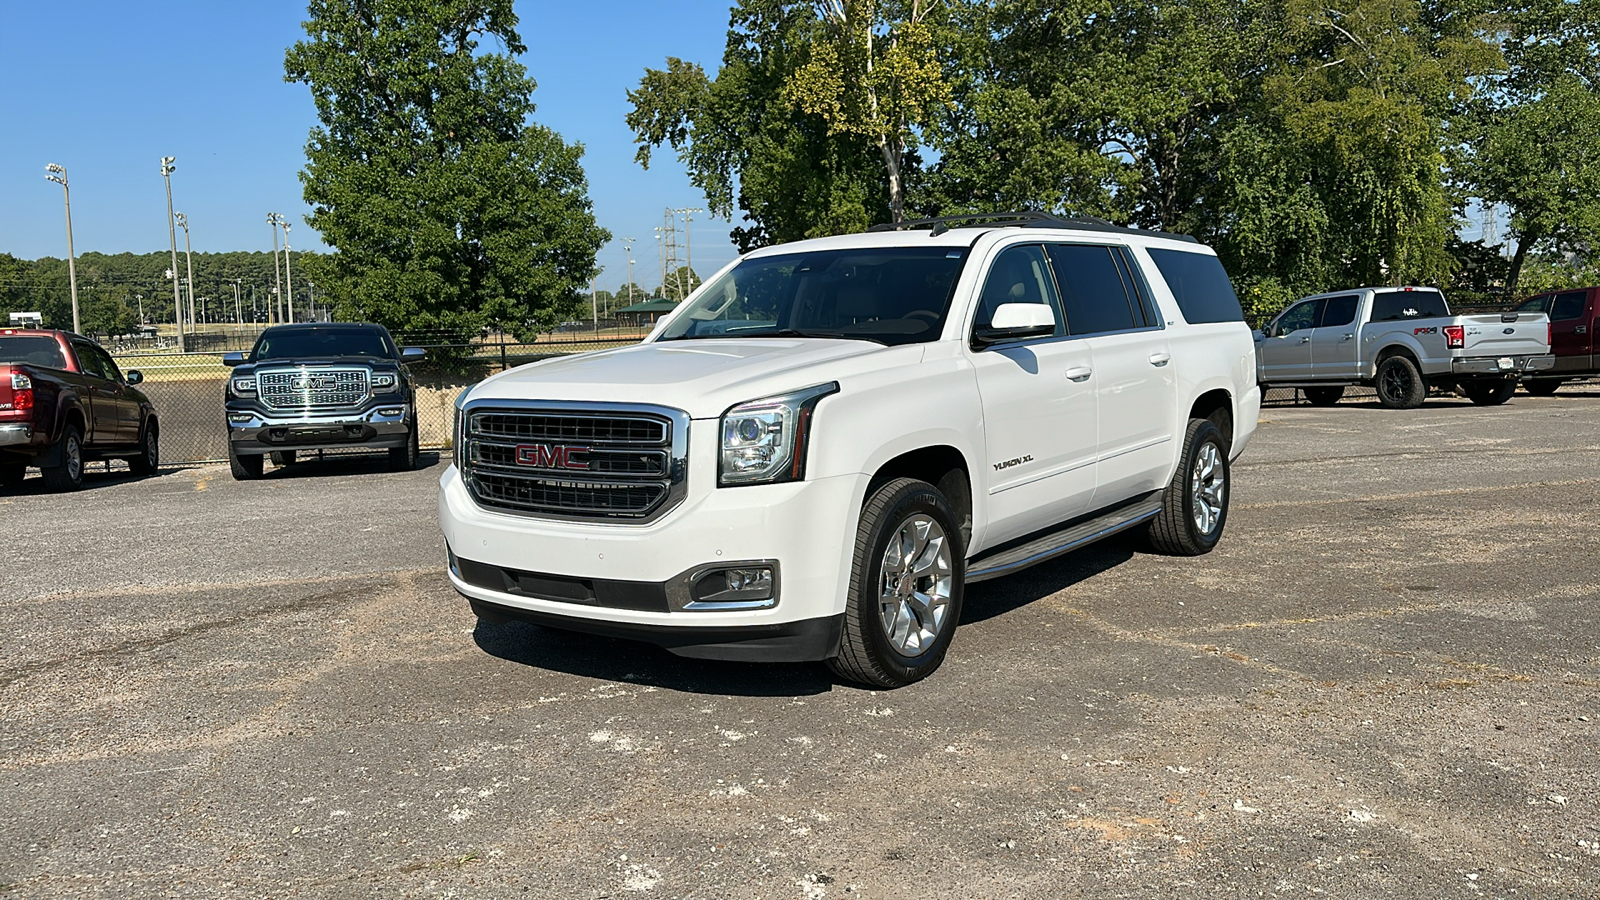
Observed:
{"x":1574,"y":318}
{"x":63,"y":402}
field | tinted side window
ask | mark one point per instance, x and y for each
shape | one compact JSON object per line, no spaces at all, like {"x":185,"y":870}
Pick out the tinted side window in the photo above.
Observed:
{"x":1568,"y":306}
{"x":1093,"y":293}
{"x":1019,"y":275}
{"x":1138,"y":287}
{"x":1339,"y":311}
{"x":1389,"y":306}
{"x":1301,"y":315}
{"x":1200,"y":286}
{"x":1536,"y":304}
{"x":106,"y":363}
{"x":88,"y":361}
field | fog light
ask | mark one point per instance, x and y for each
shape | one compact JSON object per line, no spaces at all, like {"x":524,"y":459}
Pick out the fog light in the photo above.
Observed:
{"x":390,"y":411}
{"x":735,"y":587}
{"x":239,"y":418}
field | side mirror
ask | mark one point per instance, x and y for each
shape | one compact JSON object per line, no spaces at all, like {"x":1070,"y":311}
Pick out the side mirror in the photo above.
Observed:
{"x":135,"y":376}
{"x":412,"y":354}
{"x":1017,"y":321}
{"x":232,"y":359}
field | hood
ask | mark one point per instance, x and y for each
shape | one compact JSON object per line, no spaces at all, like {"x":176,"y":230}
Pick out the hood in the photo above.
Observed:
{"x":702,"y":377}
{"x":299,"y":361}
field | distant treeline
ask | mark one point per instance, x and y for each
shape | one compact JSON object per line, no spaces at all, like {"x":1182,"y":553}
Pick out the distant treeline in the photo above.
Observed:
{"x":114,"y":289}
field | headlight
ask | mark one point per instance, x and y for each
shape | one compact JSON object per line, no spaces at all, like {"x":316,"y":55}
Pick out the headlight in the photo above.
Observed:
{"x":764,"y":441}
{"x":383,"y":381}
{"x":244,"y":385}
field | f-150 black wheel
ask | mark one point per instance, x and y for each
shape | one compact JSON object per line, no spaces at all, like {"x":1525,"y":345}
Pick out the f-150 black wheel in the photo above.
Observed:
{"x":246,"y":467}
{"x":905,"y":587}
{"x":1400,"y":384}
{"x":1489,"y":391}
{"x":67,"y":473}
{"x":1324,"y":396}
{"x":1194,"y":507}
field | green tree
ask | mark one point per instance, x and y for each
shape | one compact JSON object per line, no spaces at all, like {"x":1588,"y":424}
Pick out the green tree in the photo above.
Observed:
{"x":744,"y":140}
{"x":448,"y":209}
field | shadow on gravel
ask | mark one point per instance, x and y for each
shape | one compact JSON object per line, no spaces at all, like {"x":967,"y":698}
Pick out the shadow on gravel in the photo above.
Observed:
{"x":992,"y":599}
{"x":337,"y":465}
{"x":94,"y":478}
{"x":632,"y":662}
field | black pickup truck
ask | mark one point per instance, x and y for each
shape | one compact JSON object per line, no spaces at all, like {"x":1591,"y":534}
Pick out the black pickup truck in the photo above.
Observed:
{"x":317,"y":387}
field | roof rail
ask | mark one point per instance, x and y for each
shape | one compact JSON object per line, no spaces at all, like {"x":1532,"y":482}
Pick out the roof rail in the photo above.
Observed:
{"x":1020,"y":219}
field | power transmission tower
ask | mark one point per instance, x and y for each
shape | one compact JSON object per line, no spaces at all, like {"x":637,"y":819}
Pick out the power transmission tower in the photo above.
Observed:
{"x":669,"y":254}
{"x":1491,"y":228}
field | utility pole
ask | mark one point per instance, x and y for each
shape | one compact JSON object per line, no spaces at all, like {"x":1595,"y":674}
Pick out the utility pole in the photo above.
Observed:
{"x":188,"y":256}
{"x":627,"y":246}
{"x":275,"y":315}
{"x":688,"y":250}
{"x":172,"y":235}
{"x":58,"y":174}
{"x":661,"y":255}
{"x":594,"y":303}
{"x":238,"y":314}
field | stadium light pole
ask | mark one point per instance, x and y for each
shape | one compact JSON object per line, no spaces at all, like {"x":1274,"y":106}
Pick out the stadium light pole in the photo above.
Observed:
{"x":188,"y":257}
{"x":275,"y":310}
{"x":288,"y":277}
{"x":58,"y":174}
{"x":688,"y":245}
{"x":172,"y":235}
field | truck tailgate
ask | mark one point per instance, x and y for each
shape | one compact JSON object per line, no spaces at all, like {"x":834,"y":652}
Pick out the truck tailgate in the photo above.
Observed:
{"x":1528,"y":334}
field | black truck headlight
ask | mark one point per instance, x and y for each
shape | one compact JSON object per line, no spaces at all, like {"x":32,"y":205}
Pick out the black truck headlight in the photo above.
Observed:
{"x":384,"y":381}
{"x":764,"y":441}
{"x":244,"y":386}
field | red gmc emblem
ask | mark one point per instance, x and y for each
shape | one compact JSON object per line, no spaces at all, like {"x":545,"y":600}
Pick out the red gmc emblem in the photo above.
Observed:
{"x":552,"y":456}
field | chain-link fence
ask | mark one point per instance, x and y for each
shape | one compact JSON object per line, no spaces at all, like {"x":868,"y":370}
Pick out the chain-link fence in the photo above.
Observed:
{"x":187,"y":389}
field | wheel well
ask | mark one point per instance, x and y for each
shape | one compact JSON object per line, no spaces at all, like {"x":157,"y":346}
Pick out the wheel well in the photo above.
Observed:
{"x":943,"y":467}
{"x":1396,"y":350}
{"x":1217,"y":406}
{"x":75,"y":417}
{"x":151,"y":424}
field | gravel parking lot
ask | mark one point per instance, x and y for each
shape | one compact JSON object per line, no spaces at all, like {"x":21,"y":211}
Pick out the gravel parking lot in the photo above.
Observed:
{"x":1385,"y":682}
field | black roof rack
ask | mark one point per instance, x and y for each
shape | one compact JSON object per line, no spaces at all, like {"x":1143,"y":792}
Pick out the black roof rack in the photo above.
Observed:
{"x":1023,"y":219}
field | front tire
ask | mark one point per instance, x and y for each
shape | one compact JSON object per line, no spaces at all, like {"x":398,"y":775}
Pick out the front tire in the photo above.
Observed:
{"x":1489,"y":391}
{"x":1400,"y":384}
{"x":906,"y":585}
{"x":404,"y":459}
{"x":149,"y":459}
{"x":67,"y":474}
{"x":246,"y":467}
{"x":1194,"y":507}
{"x":1324,"y":396}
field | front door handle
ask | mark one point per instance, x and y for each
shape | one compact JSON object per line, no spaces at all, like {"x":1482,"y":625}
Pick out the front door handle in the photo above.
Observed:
{"x":1079,"y":373}
{"x":1581,"y":329}
{"x":1160,"y":359}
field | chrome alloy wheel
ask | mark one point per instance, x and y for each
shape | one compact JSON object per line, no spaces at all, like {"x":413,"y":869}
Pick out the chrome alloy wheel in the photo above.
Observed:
{"x":74,"y":452}
{"x":1208,"y":485}
{"x":915,"y":581}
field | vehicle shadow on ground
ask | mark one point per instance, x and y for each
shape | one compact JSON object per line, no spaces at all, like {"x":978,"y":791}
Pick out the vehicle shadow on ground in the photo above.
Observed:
{"x":340,"y":465}
{"x":992,"y":599}
{"x":94,"y":478}
{"x":635,"y":662}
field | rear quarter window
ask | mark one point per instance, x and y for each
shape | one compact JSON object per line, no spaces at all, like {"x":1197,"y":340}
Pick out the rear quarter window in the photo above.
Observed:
{"x":1200,"y":285}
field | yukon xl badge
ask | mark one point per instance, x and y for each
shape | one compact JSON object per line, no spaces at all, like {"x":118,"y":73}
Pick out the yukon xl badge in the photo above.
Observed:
{"x":551,"y":456}
{"x":1012,"y":462}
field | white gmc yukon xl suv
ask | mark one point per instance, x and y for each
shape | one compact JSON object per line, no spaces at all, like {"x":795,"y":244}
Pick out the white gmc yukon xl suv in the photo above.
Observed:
{"x":812,"y":455}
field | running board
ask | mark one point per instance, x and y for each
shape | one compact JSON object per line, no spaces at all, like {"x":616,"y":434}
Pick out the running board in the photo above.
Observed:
{"x":1052,"y":544}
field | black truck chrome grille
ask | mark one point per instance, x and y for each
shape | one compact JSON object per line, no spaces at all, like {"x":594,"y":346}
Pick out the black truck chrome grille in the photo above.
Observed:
{"x":575,"y":463}
{"x":312,"y":388}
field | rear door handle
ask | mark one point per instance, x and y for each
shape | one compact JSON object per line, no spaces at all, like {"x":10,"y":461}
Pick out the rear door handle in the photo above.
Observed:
{"x":1348,"y":337}
{"x":1160,"y":359}
{"x":1305,"y":340}
{"x":1079,"y":373}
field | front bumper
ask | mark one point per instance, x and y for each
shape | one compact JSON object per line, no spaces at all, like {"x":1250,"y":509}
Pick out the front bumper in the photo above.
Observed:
{"x":251,"y":431}
{"x":801,"y":528}
{"x":1502,"y":365}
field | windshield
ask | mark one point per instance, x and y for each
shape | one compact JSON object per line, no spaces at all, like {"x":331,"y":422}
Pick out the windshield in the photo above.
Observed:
{"x":322,"y":343}
{"x":32,"y":349}
{"x":891,"y":295}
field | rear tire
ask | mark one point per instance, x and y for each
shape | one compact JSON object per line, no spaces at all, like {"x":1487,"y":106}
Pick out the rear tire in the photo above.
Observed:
{"x":1194,"y":507}
{"x":1400,"y":384}
{"x":147,"y":462}
{"x":247,"y":467}
{"x":1489,"y":391}
{"x":404,"y":459}
{"x":906,"y":585}
{"x":1324,"y":396}
{"x":1542,"y":387}
{"x":67,"y":474}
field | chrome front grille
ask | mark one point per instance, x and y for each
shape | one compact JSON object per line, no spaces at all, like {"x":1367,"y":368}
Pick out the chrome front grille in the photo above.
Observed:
{"x":606,"y":462}
{"x":318,"y":388}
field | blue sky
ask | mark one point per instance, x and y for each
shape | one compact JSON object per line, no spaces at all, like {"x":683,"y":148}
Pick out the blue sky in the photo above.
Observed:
{"x":108,"y":88}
